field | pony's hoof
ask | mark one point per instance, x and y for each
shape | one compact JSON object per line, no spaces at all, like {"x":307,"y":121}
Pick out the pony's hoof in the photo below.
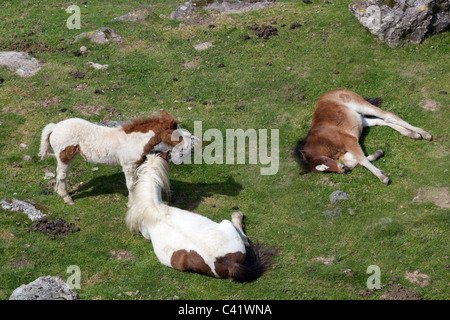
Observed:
{"x":427,"y":136}
{"x":68,"y":200}
{"x":385,"y":180}
{"x":345,"y":169}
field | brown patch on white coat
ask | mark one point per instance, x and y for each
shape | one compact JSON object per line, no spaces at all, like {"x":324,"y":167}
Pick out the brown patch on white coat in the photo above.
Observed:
{"x":187,"y":241}
{"x":336,"y":127}
{"x":125,"y":146}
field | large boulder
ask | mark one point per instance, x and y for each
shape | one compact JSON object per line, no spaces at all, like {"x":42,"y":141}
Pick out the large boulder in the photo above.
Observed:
{"x":44,"y":288}
{"x":20,"y":62}
{"x":399,"y":22}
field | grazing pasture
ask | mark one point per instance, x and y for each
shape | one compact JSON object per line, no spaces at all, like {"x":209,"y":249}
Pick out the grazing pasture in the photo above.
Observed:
{"x":244,"y":75}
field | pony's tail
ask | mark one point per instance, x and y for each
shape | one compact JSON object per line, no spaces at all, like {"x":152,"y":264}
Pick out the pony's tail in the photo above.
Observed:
{"x":257,"y":262}
{"x":45,"y":140}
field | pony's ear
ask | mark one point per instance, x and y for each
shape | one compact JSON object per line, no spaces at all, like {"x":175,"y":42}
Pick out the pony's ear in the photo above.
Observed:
{"x":164,"y":155}
{"x":164,"y":113}
{"x":173,"y":124}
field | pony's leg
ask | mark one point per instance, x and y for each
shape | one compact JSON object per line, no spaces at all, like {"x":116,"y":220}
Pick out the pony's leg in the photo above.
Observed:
{"x":351,"y":162}
{"x":236,"y":220}
{"x":355,"y":155}
{"x":60,"y":186}
{"x":129,"y":171}
{"x":370,"y":122}
{"x":365,"y":108}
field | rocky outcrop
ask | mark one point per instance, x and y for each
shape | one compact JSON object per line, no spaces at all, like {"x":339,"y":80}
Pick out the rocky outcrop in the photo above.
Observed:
{"x":399,"y":22}
{"x":20,"y":62}
{"x":44,"y":288}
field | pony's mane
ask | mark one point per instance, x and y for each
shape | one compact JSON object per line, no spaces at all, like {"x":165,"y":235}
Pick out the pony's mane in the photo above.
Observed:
{"x":155,"y":170}
{"x":156,"y":123}
{"x":299,"y":157}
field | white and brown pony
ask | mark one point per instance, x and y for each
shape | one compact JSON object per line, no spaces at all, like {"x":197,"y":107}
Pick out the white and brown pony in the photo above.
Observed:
{"x":187,"y":241}
{"x":337,"y":124}
{"x":125,"y":145}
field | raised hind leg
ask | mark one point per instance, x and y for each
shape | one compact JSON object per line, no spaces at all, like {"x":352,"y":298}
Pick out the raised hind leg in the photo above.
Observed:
{"x":236,"y":220}
{"x":363,"y":107}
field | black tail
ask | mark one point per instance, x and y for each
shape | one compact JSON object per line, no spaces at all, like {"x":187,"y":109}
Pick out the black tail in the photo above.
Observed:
{"x":257,"y":262}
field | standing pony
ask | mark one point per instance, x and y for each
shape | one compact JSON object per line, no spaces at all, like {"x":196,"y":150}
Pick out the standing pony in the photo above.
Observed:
{"x":336,"y":127}
{"x":187,"y":241}
{"x":125,"y":146}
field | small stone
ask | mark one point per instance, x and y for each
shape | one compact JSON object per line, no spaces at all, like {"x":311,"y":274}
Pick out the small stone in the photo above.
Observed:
{"x":338,"y":195}
{"x":49,"y":175}
{"x":203,"y":46}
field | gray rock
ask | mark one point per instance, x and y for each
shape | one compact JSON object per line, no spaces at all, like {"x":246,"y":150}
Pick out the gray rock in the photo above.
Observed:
{"x":399,"y":22}
{"x":101,"y":36}
{"x":44,"y":288}
{"x":20,"y":62}
{"x":203,"y":46}
{"x":188,"y":9}
{"x":136,"y":15}
{"x":26,"y":207}
{"x":338,"y":195}
{"x":97,"y":66}
{"x":49,"y":175}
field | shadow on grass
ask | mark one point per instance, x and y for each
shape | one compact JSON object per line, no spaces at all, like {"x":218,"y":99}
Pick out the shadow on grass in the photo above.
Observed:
{"x":183,"y":194}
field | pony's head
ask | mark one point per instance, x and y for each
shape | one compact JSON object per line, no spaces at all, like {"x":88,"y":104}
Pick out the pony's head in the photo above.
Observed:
{"x":311,"y":161}
{"x":169,"y":139}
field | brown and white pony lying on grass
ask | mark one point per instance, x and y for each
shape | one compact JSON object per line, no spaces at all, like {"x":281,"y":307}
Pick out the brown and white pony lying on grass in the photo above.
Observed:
{"x":337,"y":124}
{"x":125,"y":145}
{"x":187,"y":241}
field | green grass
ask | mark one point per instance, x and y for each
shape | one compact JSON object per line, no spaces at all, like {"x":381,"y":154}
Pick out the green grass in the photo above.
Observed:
{"x":331,"y":50}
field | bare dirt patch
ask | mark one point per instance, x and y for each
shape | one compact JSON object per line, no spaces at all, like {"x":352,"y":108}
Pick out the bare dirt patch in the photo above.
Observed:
{"x":421,"y":279}
{"x":397,"y":292}
{"x":121,"y":255}
{"x":438,"y":195}
{"x":427,"y":103}
{"x":324,"y":260}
